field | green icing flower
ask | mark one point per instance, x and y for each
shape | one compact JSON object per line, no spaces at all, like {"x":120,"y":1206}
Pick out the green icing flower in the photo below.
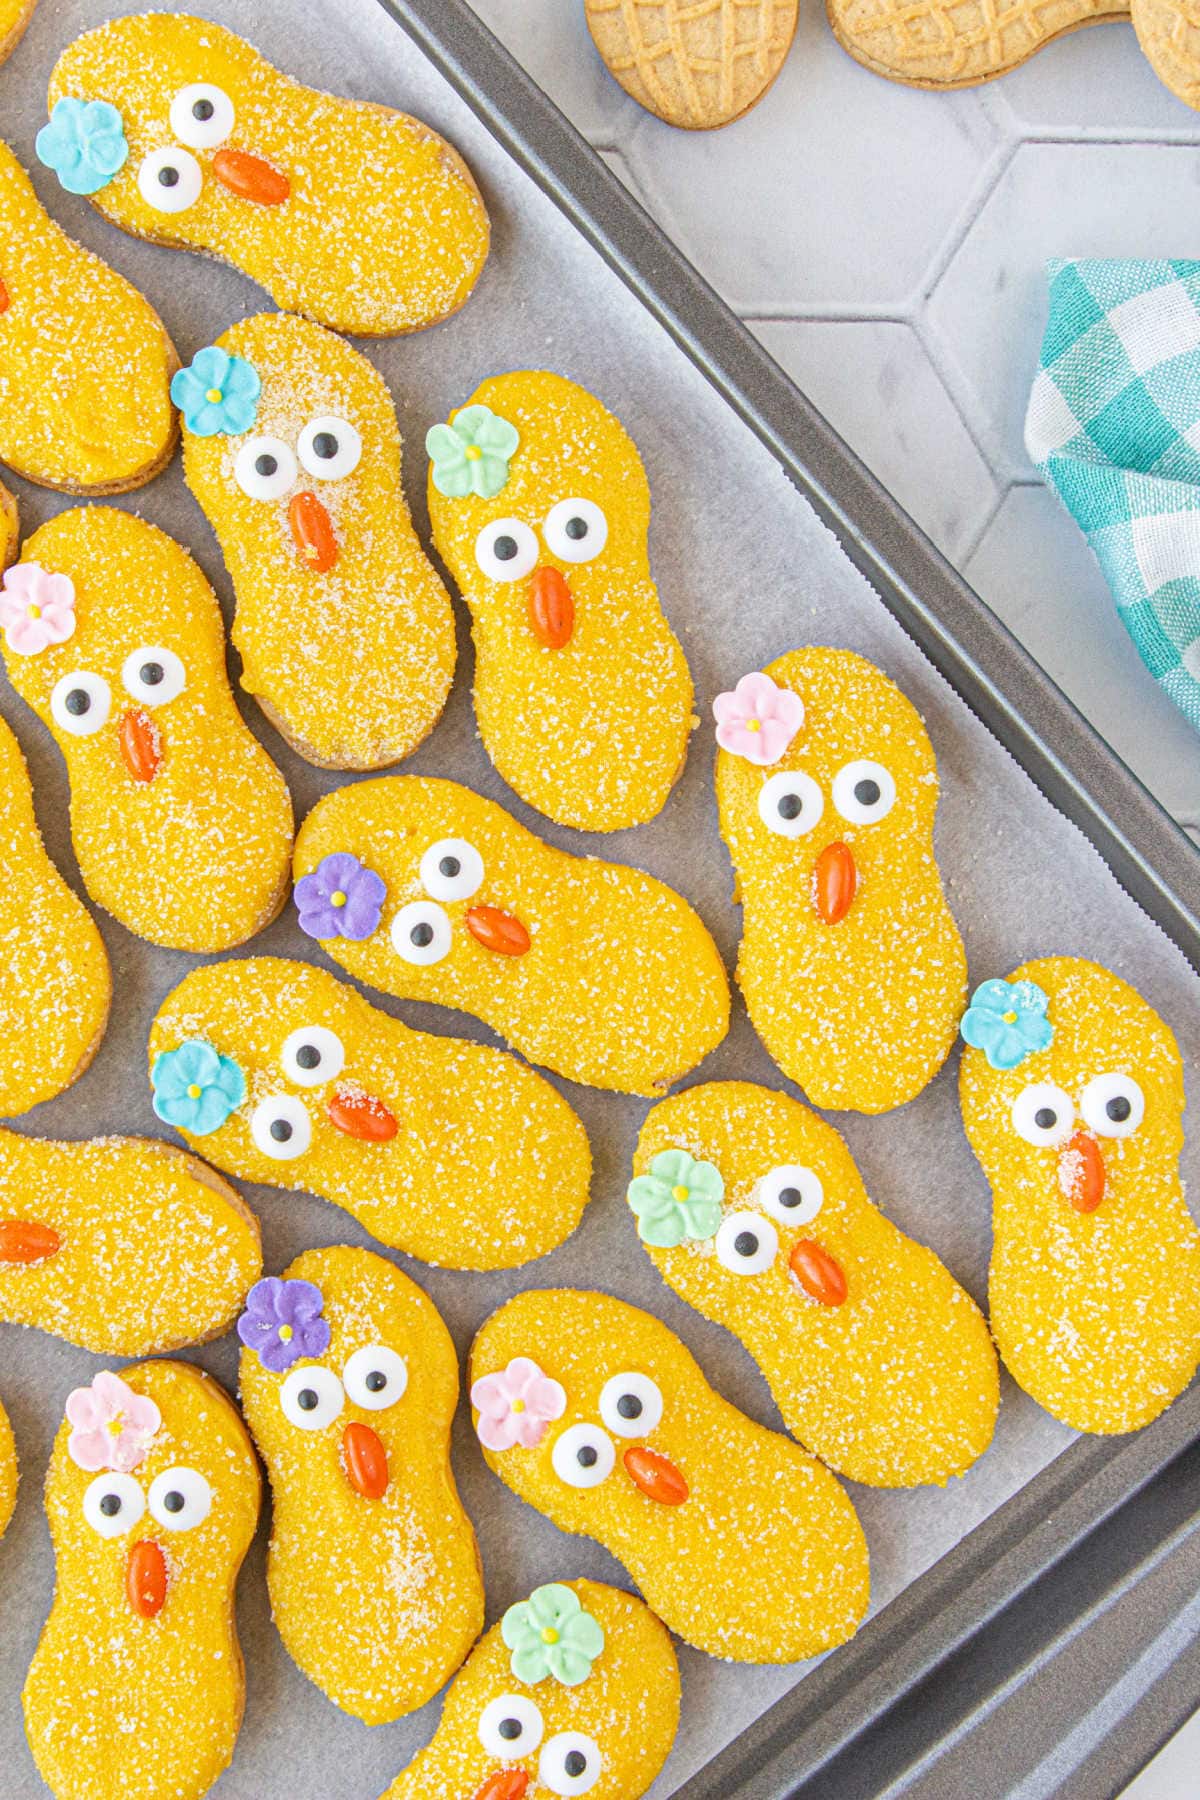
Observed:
{"x":550,"y":1634}
{"x":471,"y":455}
{"x":679,"y":1198}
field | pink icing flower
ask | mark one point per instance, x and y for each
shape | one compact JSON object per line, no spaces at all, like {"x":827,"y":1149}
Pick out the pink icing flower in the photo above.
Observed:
{"x":516,"y":1405}
{"x":114,"y":1427}
{"x":36,"y":608}
{"x":757,"y":720}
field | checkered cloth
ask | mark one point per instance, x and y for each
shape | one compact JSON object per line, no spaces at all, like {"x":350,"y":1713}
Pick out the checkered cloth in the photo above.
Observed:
{"x":1114,"y":426}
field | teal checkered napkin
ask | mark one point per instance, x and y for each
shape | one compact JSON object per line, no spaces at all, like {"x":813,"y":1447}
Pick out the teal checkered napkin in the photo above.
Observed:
{"x":1114,"y":426}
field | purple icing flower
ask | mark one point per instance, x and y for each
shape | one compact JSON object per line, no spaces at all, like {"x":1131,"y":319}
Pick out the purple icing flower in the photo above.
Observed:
{"x":282,"y":1322}
{"x":340,"y":898}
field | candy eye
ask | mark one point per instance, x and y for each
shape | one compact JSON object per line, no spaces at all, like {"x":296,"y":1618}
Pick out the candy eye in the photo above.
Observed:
{"x":791,"y":1193}
{"x":790,"y":803}
{"x":281,"y":1127}
{"x":506,"y":549}
{"x":311,"y":1398}
{"x":510,"y":1727}
{"x":864,"y":792}
{"x":180,"y":1499}
{"x":569,"y":1763}
{"x":265,"y":468}
{"x":1113,"y":1105}
{"x":421,"y":933}
{"x":631,"y":1405}
{"x":746,"y":1243}
{"x":80,"y":703}
{"x":153,"y":675}
{"x":113,"y":1504}
{"x":451,"y":869}
{"x":312,"y":1055}
{"x":1042,"y":1114}
{"x":375,"y":1377}
{"x":575,"y":530}
{"x":583,"y":1456}
{"x":169,"y":180}
{"x":201,"y":116}
{"x":329,"y":448}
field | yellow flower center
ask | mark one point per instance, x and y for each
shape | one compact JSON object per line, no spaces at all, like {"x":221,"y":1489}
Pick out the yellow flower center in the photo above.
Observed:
{"x":518,"y":1406}
{"x":1010,"y":1018}
{"x":679,"y":1193}
{"x":194,"y":1090}
{"x":549,"y":1635}
{"x":115,"y":1426}
{"x":753,"y":724}
{"x":286,"y":1334}
{"x":35,"y":611}
{"x":472,"y":453}
{"x":337,"y":899}
{"x":214,"y":396}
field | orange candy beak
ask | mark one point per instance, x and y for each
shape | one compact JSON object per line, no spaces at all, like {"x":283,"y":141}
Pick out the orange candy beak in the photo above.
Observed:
{"x":835,"y":882}
{"x":498,"y":931}
{"x":1081,"y":1172}
{"x":656,"y":1475}
{"x":141,"y":744}
{"x":505,"y":1784}
{"x":250,"y":178}
{"x":312,"y":530}
{"x":366,"y":1461}
{"x":146,"y":1579}
{"x":551,"y":608}
{"x":818,"y":1273}
{"x":27,"y":1241}
{"x":3,"y":298}
{"x":363,"y":1117}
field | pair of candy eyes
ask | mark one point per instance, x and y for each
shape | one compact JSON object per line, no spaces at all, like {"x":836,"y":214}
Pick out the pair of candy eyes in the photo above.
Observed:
{"x":313,"y":1396}
{"x":329,"y":449}
{"x":631,"y":1405}
{"x":791,"y":803}
{"x":81,"y":702}
{"x":202,"y":117}
{"x":511,"y":1726}
{"x":1111,"y":1105}
{"x":281,"y":1125}
{"x":575,"y":531}
{"x":451,"y":869}
{"x":179,"y":1500}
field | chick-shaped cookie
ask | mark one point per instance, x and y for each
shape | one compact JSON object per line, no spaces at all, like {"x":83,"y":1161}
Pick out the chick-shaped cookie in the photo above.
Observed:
{"x":8,"y":1471}
{"x":55,"y":984}
{"x":596,"y":1414}
{"x":346,"y":633}
{"x":540,"y":509}
{"x":349,"y":1382}
{"x":137,"y":1686}
{"x":125,"y":1246}
{"x":451,"y":1151}
{"x":354,"y":214}
{"x":591,"y":968}
{"x":751,"y":1208}
{"x":851,"y":965}
{"x":181,"y":822}
{"x":1072,"y":1099}
{"x":574,"y":1691}
{"x":84,"y":358}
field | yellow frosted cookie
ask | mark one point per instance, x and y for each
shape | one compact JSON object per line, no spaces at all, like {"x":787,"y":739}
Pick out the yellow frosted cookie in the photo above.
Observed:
{"x":575,"y":1691}
{"x":8,"y":1471}
{"x":598,"y":1416}
{"x":451,"y":1151}
{"x":181,"y":822}
{"x":14,"y":17}
{"x":55,"y":984}
{"x":346,"y":633}
{"x":10,"y":527}
{"x":851,"y":964}
{"x":751,"y":1208}
{"x":84,"y":359}
{"x":349,"y":1381}
{"x":591,"y":968}
{"x":137,"y":1686}
{"x":540,"y":507}
{"x":1072,"y":1099}
{"x":354,"y":214}
{"x":125,"y":1246}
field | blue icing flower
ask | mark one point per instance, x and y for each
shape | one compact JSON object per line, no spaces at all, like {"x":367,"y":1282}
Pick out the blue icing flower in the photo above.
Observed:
{"x":217,"y":394}
{"x":1007,"y":1021}
{"x":195,"y":1088}
{"x":84,"y":144}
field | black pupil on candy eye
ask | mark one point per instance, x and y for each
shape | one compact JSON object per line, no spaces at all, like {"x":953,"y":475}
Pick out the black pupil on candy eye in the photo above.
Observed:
{"x":1045,"y":1118}
{"x":325,"y":445}
{"x":151,"y":674}
{"x":308,"y":1056}
{"x":77,"y":702}
{"x":376,"y":1382}
{"x":866,"y":792}
{"x":576,"y":528}
{"x":629,"y":1406}
{"x":421,"y":935}
{"x":173,"y":1501}
{"x":745,"y":1243}
{"x":790,"y":806}
{"x":265,"y":465}
{"x":110,"y":1506}
{"x":306,"y":1399}
{"x":1118,"y":1109}
{"x":509,"y":1729}
{"x":505,"y":548}
{"x":281,"y":1131}
{"x":575,"y":1762}
{"x":168,"y":177}
{"x":790,"y":1196}
{"x":449,"y":867}
{"x":202,"y":110}
{"x":585,"y":1456}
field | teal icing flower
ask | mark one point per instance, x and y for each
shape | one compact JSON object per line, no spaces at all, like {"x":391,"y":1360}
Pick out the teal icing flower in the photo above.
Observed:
{"x":1007,"y":1021}
{"x":84,"y":144}
{"x":550,"y":1634}
{"x":470,"y":456}
{"x":679,"y":1198}
{"x":195,"y":1088}
{"x":217,"y":394}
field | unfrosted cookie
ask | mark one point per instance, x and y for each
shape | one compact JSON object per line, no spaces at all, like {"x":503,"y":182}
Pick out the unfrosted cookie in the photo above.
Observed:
{"x":451,"y":1151}
{"x":349,"y":1382}
{"x":1169,"y":33}
{"x":574,"y":1691}
{"x":8,"y":1471}
{"x":751,"y":1208}
{"x":851,"y":965}
{"x":55,"y":984}
{"x":591,"y":968}
{"x":540,"y":509}
{"x":598,"y":1416}
{"x":84,"y":358}
{"x":345,"y":631}
{"x":181,"y":822}
{"x":125,"y":1246}
{"x":925,"y":44}
{"x":1072,"y":1099}
{"x":695,"y":65}
{"x":358,"y":216}
{"x":137,"y":1686}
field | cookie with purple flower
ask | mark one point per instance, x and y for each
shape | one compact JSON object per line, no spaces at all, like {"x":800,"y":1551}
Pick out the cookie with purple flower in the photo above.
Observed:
{"x":341,"y":898}
{"x":282,"y":1322}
